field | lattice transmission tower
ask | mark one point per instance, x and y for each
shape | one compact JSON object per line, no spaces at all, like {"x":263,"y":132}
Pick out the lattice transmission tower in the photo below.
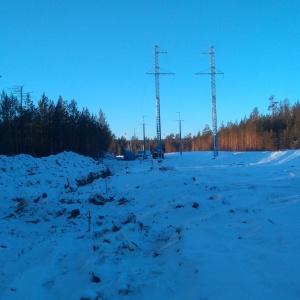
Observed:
{"x":157,"y":96}
{"x":212,"y":73}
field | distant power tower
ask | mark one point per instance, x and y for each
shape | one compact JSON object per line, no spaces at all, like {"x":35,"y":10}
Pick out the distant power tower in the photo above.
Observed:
{"x":180,"y":139}
{"x":212,"y":73}
{"x":18,"y":90}
{"x":156,"y":74}
{"x":144,"y":137}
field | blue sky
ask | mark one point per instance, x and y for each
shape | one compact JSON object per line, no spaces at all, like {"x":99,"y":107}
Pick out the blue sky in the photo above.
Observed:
{"x":98,"y":52}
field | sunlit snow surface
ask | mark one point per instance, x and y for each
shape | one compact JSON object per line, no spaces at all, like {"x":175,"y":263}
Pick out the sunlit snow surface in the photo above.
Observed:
{"x":191,"y":227}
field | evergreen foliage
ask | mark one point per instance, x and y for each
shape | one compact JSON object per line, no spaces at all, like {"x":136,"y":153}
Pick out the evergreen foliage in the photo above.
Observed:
{"x":278,"y":130}
{"x":50,"y":128}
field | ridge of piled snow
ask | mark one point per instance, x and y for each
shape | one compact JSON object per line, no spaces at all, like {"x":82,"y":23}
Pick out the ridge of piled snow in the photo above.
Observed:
{"x":191,"y":227}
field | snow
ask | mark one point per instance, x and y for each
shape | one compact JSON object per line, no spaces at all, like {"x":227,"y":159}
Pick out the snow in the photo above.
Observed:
{"x":191,"y":227}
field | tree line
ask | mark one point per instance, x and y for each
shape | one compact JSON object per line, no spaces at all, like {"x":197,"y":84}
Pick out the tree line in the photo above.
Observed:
{"x":50,"y":128}
{"x":277,"y":130}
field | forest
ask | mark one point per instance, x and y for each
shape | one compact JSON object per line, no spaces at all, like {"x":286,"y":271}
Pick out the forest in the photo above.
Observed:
{"x":50,"y":128}
{"x":277,"y":130}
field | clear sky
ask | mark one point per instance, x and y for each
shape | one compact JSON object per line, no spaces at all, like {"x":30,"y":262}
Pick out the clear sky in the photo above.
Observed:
{"x":98,"y":52}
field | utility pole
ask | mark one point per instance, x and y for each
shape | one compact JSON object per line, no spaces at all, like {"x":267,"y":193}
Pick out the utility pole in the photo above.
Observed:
{"x":134,"y":139}
{"x":19,"y":91}
{"x":180,"y":145}
{"x":212,"y":73}
{"x":144,"y":137}
{"x":22,"y":123}
{"x":156,"y":75}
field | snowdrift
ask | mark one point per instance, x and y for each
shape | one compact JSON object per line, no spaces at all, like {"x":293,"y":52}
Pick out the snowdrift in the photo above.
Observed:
{"x":191,"y":227}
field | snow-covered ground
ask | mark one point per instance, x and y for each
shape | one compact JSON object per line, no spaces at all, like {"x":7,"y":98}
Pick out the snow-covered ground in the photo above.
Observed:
{"x":191,"y":227}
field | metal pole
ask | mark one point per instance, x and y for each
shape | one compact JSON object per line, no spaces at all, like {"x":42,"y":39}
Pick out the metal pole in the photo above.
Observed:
{"x":180,"y":140}
{"x":213,"y":97}
{"x":158,"y":121}
{"x":134,"y":140}
{"x":144,"y":137}
{"x":22,"y":121}
{"x":156,"y":75}
{"x":212,"y":73}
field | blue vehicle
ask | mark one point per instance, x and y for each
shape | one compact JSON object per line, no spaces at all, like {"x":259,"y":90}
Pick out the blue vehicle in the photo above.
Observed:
{"x":128,"y":155}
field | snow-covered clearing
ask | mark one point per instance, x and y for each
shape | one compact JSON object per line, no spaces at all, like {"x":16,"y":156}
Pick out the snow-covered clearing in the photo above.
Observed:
{"x":191,"y":227}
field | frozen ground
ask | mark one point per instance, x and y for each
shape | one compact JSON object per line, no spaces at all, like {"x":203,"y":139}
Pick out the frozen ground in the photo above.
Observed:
{"x":188,"y":228}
